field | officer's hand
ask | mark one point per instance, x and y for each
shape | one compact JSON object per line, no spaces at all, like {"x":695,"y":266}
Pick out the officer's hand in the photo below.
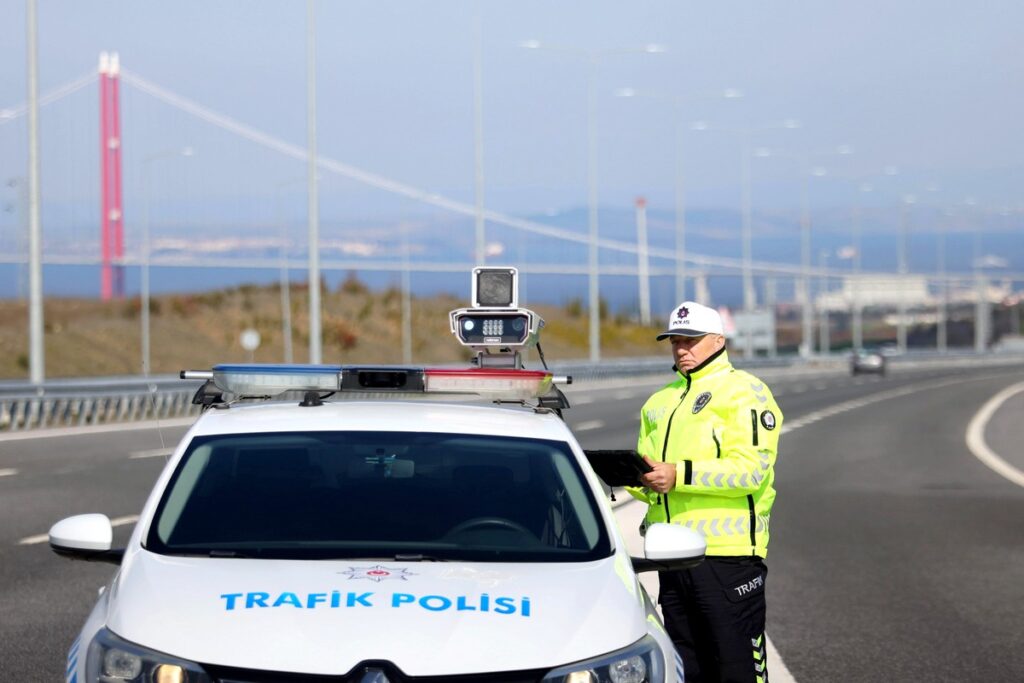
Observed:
{"x":662,"y":478}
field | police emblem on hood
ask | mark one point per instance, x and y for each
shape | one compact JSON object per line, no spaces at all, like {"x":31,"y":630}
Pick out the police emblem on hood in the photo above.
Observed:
{"x":701,"y":401}
{"x":768,"y":420}
{"x":377,"y":573}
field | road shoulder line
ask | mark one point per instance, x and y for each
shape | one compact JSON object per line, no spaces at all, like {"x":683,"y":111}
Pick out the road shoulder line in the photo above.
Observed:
{"x":975,"y":436}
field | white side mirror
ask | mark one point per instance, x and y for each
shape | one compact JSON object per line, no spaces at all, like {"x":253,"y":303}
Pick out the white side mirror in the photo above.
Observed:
{"x":671,"y":546}
{"x":92,"y":533}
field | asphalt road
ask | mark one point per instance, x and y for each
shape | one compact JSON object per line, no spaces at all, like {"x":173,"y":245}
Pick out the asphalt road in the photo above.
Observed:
{"x":896,"y":554}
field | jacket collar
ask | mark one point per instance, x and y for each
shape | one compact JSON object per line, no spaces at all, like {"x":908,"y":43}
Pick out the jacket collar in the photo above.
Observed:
{"x":715,"y":362}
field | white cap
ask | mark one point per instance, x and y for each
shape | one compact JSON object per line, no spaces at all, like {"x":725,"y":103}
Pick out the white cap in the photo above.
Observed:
{"x":691,"y":319}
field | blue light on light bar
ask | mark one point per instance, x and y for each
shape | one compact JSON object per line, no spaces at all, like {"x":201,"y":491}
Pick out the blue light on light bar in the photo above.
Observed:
{"x":256,"y":379}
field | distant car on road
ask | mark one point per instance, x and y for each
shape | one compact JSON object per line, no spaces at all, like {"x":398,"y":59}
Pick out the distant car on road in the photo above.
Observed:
{"x":867,"y":361}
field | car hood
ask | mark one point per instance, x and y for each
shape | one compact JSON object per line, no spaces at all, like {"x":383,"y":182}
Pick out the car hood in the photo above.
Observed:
{"x":325,"y":617}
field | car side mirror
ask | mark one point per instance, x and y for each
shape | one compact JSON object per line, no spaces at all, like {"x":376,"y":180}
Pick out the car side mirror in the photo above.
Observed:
{"x":669,"y":547}
{"x":85,"y":537}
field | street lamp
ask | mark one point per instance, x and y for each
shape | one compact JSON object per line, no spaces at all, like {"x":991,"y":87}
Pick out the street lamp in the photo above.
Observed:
{"x":824,"y":344}
{"x":857,"y":314}
{"x":981,"y":312}
{"x":678,"y":102}
{"x":37,"y":351}
{"x":144,"y":275}
{"x":478,"y":138}
{"x":941,"y":321}
{"x":593,"y":58}
{"x":807,"y":171}
{"x":901,"y":266}
{"x":745,"y":134}
{"x":285,"y":279}
{"x":313,"y":198}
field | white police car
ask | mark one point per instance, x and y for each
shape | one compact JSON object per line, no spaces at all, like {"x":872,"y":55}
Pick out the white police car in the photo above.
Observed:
{"x":375,"y":541}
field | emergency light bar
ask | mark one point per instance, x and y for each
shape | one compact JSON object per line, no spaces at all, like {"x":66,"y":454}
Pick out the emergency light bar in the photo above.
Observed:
{"x":256,"y":379}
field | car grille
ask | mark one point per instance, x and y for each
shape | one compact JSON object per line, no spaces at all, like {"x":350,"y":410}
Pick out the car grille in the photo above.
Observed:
{"x":367,"y":672}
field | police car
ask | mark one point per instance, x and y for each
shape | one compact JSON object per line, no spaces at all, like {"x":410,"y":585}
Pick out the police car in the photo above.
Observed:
{"x":386,"y":538}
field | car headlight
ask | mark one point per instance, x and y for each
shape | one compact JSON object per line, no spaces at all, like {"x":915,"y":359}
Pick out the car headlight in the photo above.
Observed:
{"x":641,"y":662}
{"x":112,"y":660}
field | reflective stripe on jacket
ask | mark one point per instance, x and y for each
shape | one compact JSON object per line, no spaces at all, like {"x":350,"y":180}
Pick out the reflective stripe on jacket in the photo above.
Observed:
{"x":720,"y":426}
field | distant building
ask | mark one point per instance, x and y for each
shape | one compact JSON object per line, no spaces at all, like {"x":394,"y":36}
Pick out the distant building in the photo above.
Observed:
{"x":873,"y":290}
{"x":910,"y":290}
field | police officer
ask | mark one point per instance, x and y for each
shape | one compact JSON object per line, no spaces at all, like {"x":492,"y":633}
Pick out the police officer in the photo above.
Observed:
{"x":711,"y":437}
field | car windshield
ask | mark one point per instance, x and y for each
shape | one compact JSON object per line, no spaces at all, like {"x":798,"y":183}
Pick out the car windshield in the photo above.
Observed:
{"x":397,"y":495}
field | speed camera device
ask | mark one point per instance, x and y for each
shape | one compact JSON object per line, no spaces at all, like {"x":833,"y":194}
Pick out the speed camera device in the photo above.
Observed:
{"x":494,"y":325}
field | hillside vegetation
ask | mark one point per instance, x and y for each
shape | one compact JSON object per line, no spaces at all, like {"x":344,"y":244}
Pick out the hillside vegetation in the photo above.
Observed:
{"x":88,"y":337}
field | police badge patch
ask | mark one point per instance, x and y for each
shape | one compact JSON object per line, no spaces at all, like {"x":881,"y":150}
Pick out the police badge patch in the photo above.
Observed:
{"x":768,"y":420}
{"x":701,"y":401}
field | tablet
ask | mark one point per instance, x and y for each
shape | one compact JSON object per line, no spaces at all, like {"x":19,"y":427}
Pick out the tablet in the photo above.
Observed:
{"x":618,"y":467}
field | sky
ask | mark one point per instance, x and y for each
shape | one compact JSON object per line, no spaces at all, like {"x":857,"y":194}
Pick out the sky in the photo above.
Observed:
{"x":929,"y":87}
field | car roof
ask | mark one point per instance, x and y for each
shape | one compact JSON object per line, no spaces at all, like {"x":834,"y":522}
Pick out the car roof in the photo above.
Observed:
{"x":385,"y":416}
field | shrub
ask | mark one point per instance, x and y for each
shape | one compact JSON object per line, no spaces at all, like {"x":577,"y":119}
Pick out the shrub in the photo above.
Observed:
{"x":574,"y":308}
{"x":340,"y":333}
{"x":352,"y":285}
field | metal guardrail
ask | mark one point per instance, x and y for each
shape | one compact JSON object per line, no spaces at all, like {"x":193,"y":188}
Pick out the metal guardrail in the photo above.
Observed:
{"x":95,"y":401}
{"x":104,"y":400}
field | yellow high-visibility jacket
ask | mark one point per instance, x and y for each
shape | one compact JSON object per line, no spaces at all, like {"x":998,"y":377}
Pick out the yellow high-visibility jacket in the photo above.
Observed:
{"x":720,"y":426}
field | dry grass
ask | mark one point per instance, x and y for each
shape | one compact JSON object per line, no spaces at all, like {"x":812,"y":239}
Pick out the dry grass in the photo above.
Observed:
{"x":86,"y":337}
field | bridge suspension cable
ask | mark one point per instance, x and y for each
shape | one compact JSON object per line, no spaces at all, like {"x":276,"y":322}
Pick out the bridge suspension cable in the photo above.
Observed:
{"x":9,"y":114}
{"x":380,"y":182}
{"x":431,"y":198}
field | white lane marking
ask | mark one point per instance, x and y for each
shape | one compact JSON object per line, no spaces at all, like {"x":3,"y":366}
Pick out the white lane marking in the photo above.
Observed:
{"x":8,"y":472}
{"x":975,"y":436}
{"x":623,"y":395}
{"x":861,"y":402}
{"x":154,"y":453}
{"x":776,"y":667}
{"x":581,"y":400}
{"x":628,"y":516}
{"x":43,"y":538}
{"x":590,"y":424}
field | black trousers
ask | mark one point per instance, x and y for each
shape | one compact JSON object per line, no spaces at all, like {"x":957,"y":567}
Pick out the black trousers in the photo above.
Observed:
{"x":715,"y":615}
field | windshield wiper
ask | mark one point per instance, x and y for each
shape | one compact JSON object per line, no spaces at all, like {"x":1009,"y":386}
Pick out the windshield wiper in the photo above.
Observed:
{"x":417,"y":557}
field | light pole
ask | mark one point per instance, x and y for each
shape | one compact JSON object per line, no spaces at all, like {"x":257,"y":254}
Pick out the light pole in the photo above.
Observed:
{"x":824,"y":343}
{"x":745,"y":134}
{"x":678,"y":103}
{"x":941,"y":333}
{"x":593,"y":59}
{"x":36,"y":353}
{"x":478,"y":136}
{"x":285,"y":279}
{"x":144,"y":274}
{"x":313,"y":198}
{"x":902,"y":268}
{"x":807,"y":172}
{"x":18,"y":209}
{"x":981,"y":313}
{"x":406,"y":297}
{"x":857,"y":307}
{"x":643,"y":262}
